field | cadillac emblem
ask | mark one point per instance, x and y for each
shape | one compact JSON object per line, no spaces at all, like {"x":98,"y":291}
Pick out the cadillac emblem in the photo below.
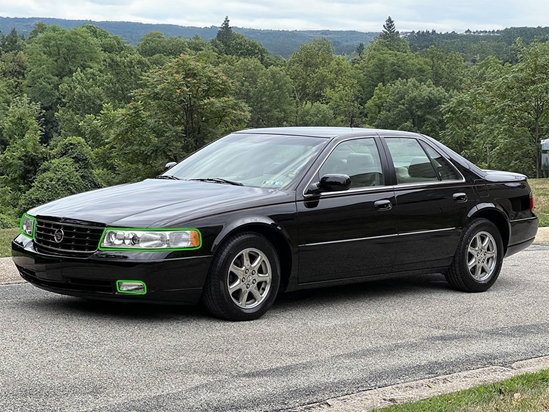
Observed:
{"x":58,"y":236}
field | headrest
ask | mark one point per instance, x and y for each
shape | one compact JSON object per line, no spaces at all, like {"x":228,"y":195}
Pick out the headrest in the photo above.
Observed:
{"x":359,"y":162}
{"x":421,"y":167}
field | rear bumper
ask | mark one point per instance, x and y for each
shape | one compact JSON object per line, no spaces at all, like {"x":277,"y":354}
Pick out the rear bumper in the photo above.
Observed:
{"x":523,"y":233}
{"x":167,"y":280}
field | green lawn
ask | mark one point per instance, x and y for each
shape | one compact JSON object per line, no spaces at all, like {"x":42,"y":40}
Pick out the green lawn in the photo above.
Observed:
{"x":524,"y":393}
{"x":540,"y":188}
{"x":6,"y":236}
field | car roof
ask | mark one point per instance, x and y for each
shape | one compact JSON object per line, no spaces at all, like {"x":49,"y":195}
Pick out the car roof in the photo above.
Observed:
{"x":326,"y":132}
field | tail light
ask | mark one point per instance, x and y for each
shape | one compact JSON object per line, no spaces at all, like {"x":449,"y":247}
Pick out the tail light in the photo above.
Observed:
{"x":532,"y":207}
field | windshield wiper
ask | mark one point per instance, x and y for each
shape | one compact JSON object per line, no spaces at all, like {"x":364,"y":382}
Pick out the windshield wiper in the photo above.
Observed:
{"x":218,"y":180}
{"x":169,"y":177}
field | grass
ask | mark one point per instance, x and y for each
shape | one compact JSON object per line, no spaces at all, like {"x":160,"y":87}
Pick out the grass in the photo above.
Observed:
{"x":6,"y":236}
{"x":523,"y":393}
{"x":540,"y":189}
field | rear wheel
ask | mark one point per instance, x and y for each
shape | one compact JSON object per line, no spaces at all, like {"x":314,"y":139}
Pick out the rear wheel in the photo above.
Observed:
{"x":478,"y":258}
{"x":243,"y":279}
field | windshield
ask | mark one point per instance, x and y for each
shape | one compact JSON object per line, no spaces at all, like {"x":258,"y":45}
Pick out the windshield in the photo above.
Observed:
{"x":260,"y":160}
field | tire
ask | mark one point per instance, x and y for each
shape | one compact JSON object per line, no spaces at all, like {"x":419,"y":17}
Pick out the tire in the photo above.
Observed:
{"x":478,"y":257}
{"x":243,"y":279}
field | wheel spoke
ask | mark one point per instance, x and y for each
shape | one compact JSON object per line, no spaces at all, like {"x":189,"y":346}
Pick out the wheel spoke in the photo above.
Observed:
{"x":258,"y":297}
{"x":246,"y":256}
{"x":238,"y":271}
{"x":257,"y":263}
{"x":243,"y":298}
{"x":472,"y":263}
{"x":235,"y":286}
{"x":246,"y":286}
{"x":478,"y":271}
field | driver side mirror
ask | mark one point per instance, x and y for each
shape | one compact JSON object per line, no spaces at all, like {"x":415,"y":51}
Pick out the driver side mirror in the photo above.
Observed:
{"x":330,"y":183}
{"x":169,"y":166}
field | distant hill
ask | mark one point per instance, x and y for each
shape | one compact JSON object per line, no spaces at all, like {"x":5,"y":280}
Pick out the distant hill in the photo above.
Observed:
{"x":281,"y":42}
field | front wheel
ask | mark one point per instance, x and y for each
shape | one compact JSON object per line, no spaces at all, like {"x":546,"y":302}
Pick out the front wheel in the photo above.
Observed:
{"x":243,"y":279}
{"x":478,"y":257}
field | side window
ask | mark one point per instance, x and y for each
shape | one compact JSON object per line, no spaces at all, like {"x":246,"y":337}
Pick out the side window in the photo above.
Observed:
{"x":416,"y":161}
{"x":359,"y":159}
{"x":412,"y":165}
{"x":443,"y":167}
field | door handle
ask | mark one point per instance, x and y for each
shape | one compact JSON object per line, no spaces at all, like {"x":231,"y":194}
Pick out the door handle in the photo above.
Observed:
{"x":460,"y":197}
{"x":383,"y":205}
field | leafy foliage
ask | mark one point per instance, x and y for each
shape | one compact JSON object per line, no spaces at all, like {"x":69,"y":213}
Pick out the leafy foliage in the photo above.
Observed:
{"x":80,"y":108}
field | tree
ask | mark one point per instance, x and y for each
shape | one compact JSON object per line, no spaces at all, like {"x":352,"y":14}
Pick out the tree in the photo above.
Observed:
{"x":225,"y":36}
{"x":389,"y":29}
{"x":381,"y":65}
{"x":390,"y":37}
{"x":448,"y":70}
{"x":229,"y":43}
{"x":53,"y":55}
{"x":24,"y":154}
{"x":268,"y":92}
{"x":408,"y":105}
{"x":155,"y":44}
{"x":523,"y":105}
{"x":309,"y":69}
{"x":344,"y":97}
{"x":179,"y":108}
{"x":80,"y":95}
{"x":13,"y":42}
{"x":470,"y":116}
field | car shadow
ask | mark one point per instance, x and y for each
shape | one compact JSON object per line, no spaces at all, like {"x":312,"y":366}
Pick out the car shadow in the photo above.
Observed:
{"x":334,"y":295}
{"x":374,"y":289}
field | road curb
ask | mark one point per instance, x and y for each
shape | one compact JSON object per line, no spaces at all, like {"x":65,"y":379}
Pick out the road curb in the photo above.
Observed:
{"x":424,"y":389}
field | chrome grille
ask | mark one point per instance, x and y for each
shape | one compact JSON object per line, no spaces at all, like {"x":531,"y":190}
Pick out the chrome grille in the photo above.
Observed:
{"x":68,"y":236}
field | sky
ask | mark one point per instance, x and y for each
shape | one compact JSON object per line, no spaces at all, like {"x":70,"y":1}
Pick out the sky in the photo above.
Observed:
{"x":360,"y":15}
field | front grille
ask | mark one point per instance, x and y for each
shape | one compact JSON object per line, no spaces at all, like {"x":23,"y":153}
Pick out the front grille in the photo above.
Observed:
{"x":68,"y":236}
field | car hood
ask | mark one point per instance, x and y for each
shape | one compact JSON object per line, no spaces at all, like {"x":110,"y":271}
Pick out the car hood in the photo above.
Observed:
{"x":157,"y":202}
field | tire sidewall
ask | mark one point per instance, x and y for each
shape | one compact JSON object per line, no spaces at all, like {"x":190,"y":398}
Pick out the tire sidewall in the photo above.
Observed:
{"x":228,"y":252}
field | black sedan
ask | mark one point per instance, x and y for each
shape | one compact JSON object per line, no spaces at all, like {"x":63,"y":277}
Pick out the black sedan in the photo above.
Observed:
{"x":269,"y":210}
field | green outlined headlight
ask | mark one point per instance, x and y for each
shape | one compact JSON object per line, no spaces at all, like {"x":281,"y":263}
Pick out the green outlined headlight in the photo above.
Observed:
{"x":27,"y":226}
{"x":150,"y":240}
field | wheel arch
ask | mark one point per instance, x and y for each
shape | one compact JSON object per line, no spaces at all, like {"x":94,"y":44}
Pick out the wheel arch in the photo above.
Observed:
{"x":498,"y":217}
{"x":274,"y":234}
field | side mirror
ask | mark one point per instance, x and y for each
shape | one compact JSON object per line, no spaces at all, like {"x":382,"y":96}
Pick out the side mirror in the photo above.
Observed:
{"x":330,"y":183}
{"x":169,"y":165}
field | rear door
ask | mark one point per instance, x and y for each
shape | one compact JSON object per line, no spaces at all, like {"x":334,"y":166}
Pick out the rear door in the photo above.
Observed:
{"x":432,"y":198}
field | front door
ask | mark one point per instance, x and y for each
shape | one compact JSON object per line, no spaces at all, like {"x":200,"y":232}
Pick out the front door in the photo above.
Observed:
{"x":348,"y":234}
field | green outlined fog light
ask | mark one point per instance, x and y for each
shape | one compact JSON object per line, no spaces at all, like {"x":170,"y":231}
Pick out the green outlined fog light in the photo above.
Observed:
{"x":131,"y":287}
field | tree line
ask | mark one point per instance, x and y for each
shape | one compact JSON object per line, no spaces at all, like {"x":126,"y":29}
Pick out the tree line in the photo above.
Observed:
{"x":81,"y":109}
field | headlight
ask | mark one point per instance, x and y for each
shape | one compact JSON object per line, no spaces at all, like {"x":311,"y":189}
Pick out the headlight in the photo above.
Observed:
{"x":151,"y":240}
{"x":27,"y":226}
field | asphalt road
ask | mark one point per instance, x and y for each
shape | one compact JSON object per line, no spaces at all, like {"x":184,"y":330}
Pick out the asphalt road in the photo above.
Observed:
{"x":62,"y":353}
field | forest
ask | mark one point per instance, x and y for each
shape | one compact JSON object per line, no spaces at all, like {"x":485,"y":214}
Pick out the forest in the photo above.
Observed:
{"x":82,"y":109}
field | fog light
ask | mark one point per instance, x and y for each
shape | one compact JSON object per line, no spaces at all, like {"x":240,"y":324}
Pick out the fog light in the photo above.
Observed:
{"x":131,"y":287}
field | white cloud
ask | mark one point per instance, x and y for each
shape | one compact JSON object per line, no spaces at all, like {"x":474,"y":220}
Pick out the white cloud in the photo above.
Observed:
{"x":363,"y":15}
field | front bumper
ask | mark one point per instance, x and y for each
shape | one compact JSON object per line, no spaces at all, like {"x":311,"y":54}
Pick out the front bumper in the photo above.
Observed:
{"x":168,"y":279}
